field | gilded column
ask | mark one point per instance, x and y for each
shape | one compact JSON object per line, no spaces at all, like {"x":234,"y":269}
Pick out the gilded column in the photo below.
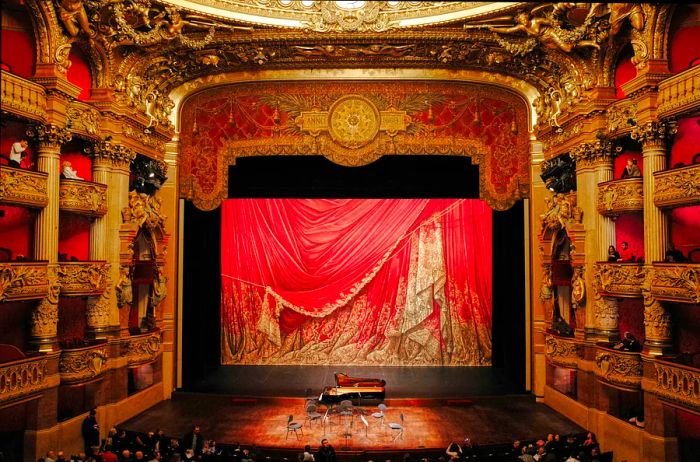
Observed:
{"x":594,"y":165}
{"x":44,"y":320}
{"x":657,"y":319}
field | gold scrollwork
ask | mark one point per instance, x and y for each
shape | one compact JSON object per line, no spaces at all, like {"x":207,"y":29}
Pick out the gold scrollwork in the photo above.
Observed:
{"x":82,"y":364}
{"x":677,"y":187}
{"x":676,"y":282}
{"x":678,"y":384}
{"x":620,"y":196}
{"x":561,"y":352}
{"x":619,"y":368}
{"x":22,"y":377}
{"x":21,"y":281}
{"x":619,"y":280}
{"x":23,"y":187}
{"x":83,"y":197}
{"x":140,"y":349}
{"x":82,"y":278}
{"x":143,"y":210}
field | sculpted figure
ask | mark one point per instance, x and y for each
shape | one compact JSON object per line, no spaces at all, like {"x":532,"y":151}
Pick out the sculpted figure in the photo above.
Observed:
{"x":75,"y":18}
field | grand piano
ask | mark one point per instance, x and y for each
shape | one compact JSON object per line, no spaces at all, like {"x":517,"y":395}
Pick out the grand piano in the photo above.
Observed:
{"x":352,"y":388}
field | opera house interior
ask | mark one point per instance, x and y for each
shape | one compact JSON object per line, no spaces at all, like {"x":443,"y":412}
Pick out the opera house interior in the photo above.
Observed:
{"x":187,"y":187}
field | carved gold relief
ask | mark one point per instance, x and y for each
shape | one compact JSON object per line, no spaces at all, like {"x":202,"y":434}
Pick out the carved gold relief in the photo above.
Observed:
{"x":546,"y":288}
{"x":23,"y":187}
{"x":677,"y":187}
{"x":561,"y":352}
{"x":23,"y":281}
{"x":124,"y":288}
{"x":653,"y":134}
{"x":44,"y":318}
{"x":116,"y":154}
{"x":597,"y":152}
{"x":562,"y":211}
{"x":98,"y":312}
{"x":620,"y":116}
{"x":22,"y":97}
{"x":83,"y":197}
{"x":619,"y":279}
{"x":81,"y":364}
{"x":677,"y":282}
{"x":678,"y":384}
{"x":578,"y":288}
{"x":82,"y":278}
{"x":680,"y":93}
{"x":657,"y":319}
{"x":143,"y":210}
{"x":620,"y":196}
{"x":49,"y":135}
{"x":140,"y":349}
{"x":23,"y":377}
{"x":618,"y":368}
{"x":83,"y":117}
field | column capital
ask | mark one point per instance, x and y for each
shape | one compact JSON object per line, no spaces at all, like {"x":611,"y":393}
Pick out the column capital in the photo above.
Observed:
{"x":600,"y":151}
{"x":44,"y":317}
{"x":653,"y":134}
{"x":117,"y":154}
{"x":658,"y":326}
{"x":49,"y":135}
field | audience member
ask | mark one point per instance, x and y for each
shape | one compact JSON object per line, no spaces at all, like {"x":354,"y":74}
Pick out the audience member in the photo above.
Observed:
{"x":631,"y":169}
{"x":50,"y":456}
{"x":68,"y":172}
{"x":326,"y":453}
{"x":674,"y":255}
{"x":626,"y":254}
{"x":91,"y":432}
{"x":525,"y":454}
{"x":613,"y":254}
{"x":454,"y":451}
{"x":306,"y":455}
{"x":17,"y":153}
{"x":629,"y":343}
{"x":194,"y":440}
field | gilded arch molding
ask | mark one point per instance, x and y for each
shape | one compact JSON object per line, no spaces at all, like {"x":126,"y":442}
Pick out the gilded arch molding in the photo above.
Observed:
{"x":464,"y":113}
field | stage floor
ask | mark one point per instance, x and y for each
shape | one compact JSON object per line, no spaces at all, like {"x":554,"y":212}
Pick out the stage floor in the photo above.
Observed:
{"x":251,"y":404}
{"x":401,"y":382}
{"x":428,"y":423}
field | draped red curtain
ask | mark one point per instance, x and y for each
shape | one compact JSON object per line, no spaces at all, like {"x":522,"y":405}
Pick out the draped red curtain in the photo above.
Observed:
{"x":356,"y":281}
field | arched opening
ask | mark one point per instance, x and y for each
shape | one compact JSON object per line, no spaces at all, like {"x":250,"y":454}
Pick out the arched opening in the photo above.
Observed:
{"x":142,"y":312}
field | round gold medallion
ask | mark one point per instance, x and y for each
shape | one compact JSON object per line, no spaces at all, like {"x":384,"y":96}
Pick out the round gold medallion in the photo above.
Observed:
{"x":353,"y":121}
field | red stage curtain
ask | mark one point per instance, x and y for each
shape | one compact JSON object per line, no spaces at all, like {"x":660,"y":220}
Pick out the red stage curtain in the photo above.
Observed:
{"x":355,"y":281}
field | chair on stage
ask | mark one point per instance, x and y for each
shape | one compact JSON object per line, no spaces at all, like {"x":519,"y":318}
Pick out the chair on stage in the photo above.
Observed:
{"x":293,"y":427}
{"x":398,"y":427}
{"x":380,"y":415}
{"x":311,"y":413}
{"x":345,"y":409}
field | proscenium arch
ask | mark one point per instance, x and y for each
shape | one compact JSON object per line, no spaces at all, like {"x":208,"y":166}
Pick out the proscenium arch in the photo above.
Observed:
{"x":521,"y":90}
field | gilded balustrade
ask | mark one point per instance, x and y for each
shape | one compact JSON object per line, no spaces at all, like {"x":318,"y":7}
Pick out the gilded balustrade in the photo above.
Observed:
{"x":561,"y":351}
{"x":142,"y":348}
{"x":25,"y":377}
{"x":83,"y":197}
{"x":678,"y":187}
{"x":20,"y":280}
{"x":678,"y":384}
{"x":620,"y":369}
{"x":82,"y":364}
{"x":23,"y":187}
{"x":22,"y":97}
{"x":619,"y":279}
{"x":679,"y":94}
{"x":620,"y":196}
{"x":82,"y":277}
{"x":676,"y":282}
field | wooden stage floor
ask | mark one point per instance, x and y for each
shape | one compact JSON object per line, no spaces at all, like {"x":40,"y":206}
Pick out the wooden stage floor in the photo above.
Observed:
{"x":429,"y":422}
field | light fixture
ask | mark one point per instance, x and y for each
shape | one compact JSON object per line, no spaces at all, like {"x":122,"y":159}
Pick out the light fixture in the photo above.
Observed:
{"x":559,"y":174}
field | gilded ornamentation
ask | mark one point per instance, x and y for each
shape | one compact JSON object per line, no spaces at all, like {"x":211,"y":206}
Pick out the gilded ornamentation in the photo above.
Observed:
{"x":23,"y":187}
{"x":74,"y":17}
{"x":82,"y":278}
{"x":159,"y":289}
{"x":600,"y":151}
{"x":116,"y":154}
{"x":606,"y":314}
{"x":83,"y":197}
{"x":334,"y":18}
{"x":578,"y":288}
{"x":546,"y":288}
{"x":98,"y":308}
{"x":23,"y":377}
{"x":622,"y":369}
{"x":123,"y":288}
{"x":677,"y":187}
{"x":337,"y":51}
{"x":22,"y":96}
{"x":143,"y":138}
{"x":620,"y":196}
{"x":561,"y":211}
{"x":84,"y":117}
{"x":677,"y":94}
{"x":557,"y":138}
{"x":679,"y":384}
{"x":677,"y":282}
{"x":619,"y":279}
{"x":561,"y":352}
{"x":78,"y":365}
{"x":44,"y":320}
{"x":653,"y":133}
{"x":143,"y":210}
{"x":353,"y":121}
{"x":23,"y":280}
{"x":657,"y":319}
{"x":140,"y":349}
{"x":620,"y":116}
{"x":50,"y":135}
{"x":143,"y":95}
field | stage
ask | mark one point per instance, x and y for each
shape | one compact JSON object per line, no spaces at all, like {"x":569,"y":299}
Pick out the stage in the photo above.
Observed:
{"x":438,"y":407}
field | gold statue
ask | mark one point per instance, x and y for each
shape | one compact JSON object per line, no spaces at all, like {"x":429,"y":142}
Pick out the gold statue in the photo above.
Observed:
{"x":75,"y":18}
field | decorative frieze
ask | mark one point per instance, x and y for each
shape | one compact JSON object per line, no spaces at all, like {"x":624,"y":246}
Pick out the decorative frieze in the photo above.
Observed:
{"x":82,"y":364}
{"x":141,"y":349}
{"x":23,"y":280}
{"x":24,"y":377}
{"x":678,"y":384}
{"x":620,"y":196}
{"x":562,"y":352}
{"x":23,"y":187}
{"x":622,"y":369}
{"x":82,"y":278}
{"x":679,"y":187}
{"x":619,"y":279}
{"x":680,"y":93}
{"x":83,"y":197}
{"x":22,"y":97}
{"x":676,"y":282}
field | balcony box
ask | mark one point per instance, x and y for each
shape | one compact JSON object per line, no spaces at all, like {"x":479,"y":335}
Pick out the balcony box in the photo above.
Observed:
{"x":142,"y":348}
{"x":83,"y":197}
{"x":82,"y":277}
{"x":620,"y":196}
{"x":679,"y":187}
{"x":676,"y":282}
{"x":678,"y":384}
{"x":24,"y":188}
{"x":619,"y":279}
{"x":83,"y":364}
{"x":619,"y":369}
{"x":561,"y":351}
{"x":22,"y":280}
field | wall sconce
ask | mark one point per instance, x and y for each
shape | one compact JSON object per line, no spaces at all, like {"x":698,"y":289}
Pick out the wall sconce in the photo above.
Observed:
{"x":477,"y":114}
{"x":195,"y":128}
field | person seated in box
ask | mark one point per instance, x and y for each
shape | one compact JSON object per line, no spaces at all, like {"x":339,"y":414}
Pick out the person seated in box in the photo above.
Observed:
{"x":626,"y":254}
{"x":68,"y":172}
{"x":631,"y":169}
